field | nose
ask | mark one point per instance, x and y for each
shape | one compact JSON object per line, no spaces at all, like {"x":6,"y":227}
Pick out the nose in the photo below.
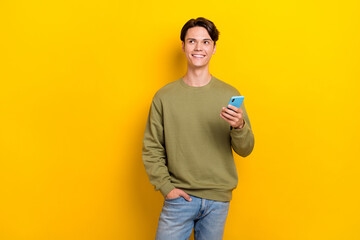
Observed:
{"x":197,"y":46}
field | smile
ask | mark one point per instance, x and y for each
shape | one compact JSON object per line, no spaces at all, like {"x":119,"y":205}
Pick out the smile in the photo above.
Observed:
{"x":198,"y":56}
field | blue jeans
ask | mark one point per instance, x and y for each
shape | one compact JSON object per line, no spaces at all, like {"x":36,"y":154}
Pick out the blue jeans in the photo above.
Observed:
{"x":179,"y":217}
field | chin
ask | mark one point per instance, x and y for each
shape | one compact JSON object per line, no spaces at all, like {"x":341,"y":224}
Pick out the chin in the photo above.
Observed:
{"x":198,"y":64}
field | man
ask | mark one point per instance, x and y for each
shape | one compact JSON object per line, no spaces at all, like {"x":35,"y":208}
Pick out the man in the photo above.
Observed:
{"x":188,"y":142}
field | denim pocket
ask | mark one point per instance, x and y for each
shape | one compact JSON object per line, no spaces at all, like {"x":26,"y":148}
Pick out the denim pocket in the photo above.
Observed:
{"x":172,"y":199}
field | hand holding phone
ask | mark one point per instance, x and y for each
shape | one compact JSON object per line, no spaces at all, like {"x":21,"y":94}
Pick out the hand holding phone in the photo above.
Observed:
{"x":234,"y":117}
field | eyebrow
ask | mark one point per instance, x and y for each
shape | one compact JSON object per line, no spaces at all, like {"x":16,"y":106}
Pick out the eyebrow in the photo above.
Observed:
{"x":202,"y":39}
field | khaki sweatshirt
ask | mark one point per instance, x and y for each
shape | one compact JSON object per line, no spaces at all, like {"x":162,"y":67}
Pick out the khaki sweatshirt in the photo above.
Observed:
{"x":187,"y":145}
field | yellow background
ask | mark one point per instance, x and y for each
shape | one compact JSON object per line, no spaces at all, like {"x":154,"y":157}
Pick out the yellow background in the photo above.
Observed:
{"x":77,"y":79}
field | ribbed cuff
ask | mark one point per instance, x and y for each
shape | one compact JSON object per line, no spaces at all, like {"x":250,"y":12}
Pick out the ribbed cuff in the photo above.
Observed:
{"x":166,"y":188}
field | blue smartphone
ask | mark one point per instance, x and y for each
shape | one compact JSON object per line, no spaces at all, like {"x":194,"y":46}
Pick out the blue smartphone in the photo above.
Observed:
{"x":236,"y":101}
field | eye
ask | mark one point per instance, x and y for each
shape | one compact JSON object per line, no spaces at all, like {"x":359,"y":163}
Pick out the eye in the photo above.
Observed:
{"x":207,"y":42}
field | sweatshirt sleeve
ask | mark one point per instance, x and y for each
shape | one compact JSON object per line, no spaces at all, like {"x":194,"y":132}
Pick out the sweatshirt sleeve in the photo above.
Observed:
{"x":153,"y":151}
{"x":242,"y":140}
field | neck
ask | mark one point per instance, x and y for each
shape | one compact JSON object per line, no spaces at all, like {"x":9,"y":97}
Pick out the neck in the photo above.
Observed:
{"x":197,"y":77}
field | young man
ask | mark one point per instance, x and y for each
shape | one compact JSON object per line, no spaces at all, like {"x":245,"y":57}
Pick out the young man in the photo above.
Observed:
{"x":188,"y":142}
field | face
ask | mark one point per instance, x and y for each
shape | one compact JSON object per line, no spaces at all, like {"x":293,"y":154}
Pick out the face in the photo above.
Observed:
{"x":198,"y":47}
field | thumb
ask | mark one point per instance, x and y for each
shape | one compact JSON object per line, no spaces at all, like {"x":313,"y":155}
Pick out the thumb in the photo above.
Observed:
{"x":186,"y":196}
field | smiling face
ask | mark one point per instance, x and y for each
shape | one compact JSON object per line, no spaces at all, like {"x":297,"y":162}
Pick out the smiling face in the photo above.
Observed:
{"x":198,"y":47}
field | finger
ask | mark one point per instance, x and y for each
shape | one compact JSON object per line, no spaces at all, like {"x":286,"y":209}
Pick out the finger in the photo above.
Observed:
{"x":235,"y":116}
{"x":231,"y":112}
{"x":224,"y":117}
{"x":238,"y":110}
{"x":232,"y":108}
{"x":186,"y":196}
{"x":232,"y":123}
{"x":231,"y":117}
{"x":223,"y":109}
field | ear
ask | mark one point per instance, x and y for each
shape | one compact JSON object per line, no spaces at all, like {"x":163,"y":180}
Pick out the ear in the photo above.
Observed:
{"x":214,"y":49}
{"x":183,"y":46}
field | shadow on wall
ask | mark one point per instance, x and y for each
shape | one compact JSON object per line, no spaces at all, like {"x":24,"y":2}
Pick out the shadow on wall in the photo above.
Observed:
{"x":149,"y":202}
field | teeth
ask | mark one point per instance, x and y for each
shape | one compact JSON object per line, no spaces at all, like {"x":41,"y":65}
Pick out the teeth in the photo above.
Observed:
{"x":198,"y":55}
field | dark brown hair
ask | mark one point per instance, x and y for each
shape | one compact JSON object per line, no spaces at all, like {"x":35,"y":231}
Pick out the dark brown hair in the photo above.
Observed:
{"x":200,"y":22}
